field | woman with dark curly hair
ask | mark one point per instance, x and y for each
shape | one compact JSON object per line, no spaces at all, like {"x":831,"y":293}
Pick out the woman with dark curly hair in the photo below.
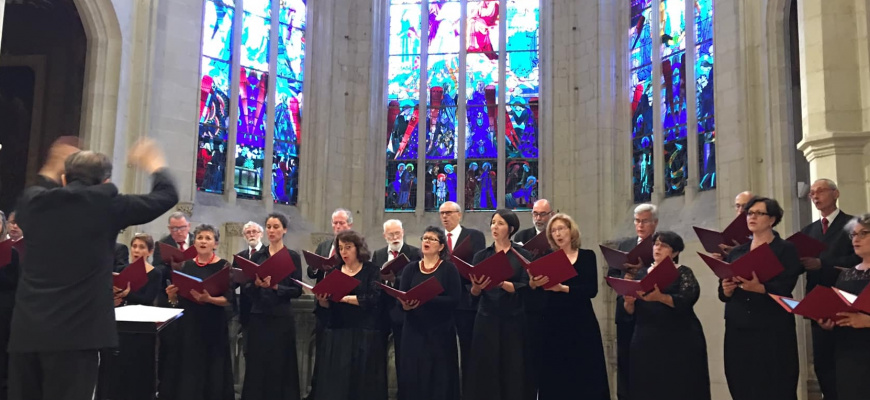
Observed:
{"x":352,"y":357}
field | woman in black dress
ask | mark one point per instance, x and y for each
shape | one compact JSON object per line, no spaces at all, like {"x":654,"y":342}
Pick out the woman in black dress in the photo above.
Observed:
{"x":203,"y":370}
{"x":430,"y":360}
{"x":272,"y":372}
{"x":497,"y":345}
{"x":852,"y":338}
{"x":573,"y":363}
{"x":667,"y":333}
{"x":8,"y":284}
{"x":761,"y":359}
{"x":352,"y":356}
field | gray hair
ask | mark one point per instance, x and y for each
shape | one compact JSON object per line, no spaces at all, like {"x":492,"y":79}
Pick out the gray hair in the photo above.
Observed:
{"x":831,"y":184}
{"x":454,"y":204}
{"x":648,"y":207}
{"x":2,"y":226}
{"x":177,"y":215}
{"x":252,"y":224}
{"x":208,"y":228}
{"x":392,"y":222}
{"x":863,"y":220}
{"x":346,"y":212}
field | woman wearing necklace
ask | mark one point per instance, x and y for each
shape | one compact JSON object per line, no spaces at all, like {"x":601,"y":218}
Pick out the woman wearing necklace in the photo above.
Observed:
{"x":352,"y":356}
{"x":852,"y":338}
{"x":667,"y":333}
{"x":497,"y":347}
{"x":430,"y":360}
{"x":272,"y":372}
{"x":573,"y":363}
{"x":202,"y":369}
{"x":761,"y":359}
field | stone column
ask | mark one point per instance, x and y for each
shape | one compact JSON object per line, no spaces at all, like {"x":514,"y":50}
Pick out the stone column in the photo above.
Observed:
{"x":833,"y":68}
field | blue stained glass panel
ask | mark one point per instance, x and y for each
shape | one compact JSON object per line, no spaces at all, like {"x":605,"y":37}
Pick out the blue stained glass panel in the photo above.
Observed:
{"x":291,"y":53}
{"x":405,"y":29}
{"x":217,"y":31}
{"x":285,"y":176}
{"x":211,"y":159}
{"x":293,"y":13}
{"x":638,"y":5}
{"x":481,"y":80}
{"x":441,"y":125}
{"x":481,"y":183}
{"x":444,"y":28}
{"x":673,"y":83}
{"x":441,"y":183}
{"x":481,"y":129}
{"x":261,"y":8}
{"x":214,"y":93}
{"x":288,"y":116}
{"x":251,"y":133}
{"x":704,"y":85}
{"x":703,"y":20}
{"x":400,"y":192}
{"x":673,"y":26}
{"x":641,"y":105}
{"x":403,"y":125}
{"x":444,"y":74}
{"x":523,"y":20}
{"x":482,"y":28}
{"x":640,"y":41}
{"x":643,"y":175}
{"x":404,"y":79}
{"x":675,"y":167}
{"x":521,"y":139}
{"x":522,"y":77}
{"x":255,"y":43}
{"x":707,"y":155}
{"x":521,"y":184}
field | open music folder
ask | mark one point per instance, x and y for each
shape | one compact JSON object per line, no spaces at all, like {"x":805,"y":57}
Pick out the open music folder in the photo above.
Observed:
{"x":215,"y":285}
{"x":172,"y":255}
{"x":617,"y":259}
{"x":497,"y":267}
{"x":555,"y":266}
{"x":538,"y":245}
{"x":395,"y":265}
{"x":336,"y":284}
{"x":662,"y":276}
{"x":321,"y":263}
{"x":762,"y":261}
{"x":428,"y":290}
{"x":820,"y":303}
{"x":737,"y":232}
{"x":133,"y":274}
{"x":279,"y":266}
{"x":807,"y":246}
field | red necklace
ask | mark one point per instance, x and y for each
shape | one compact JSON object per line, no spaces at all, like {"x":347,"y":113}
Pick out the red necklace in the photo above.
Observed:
{"x":213,"y":256}
{"x":429,"y":270}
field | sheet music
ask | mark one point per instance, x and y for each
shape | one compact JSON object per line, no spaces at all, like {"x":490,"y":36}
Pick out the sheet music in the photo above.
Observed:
{"x":139,"y":313}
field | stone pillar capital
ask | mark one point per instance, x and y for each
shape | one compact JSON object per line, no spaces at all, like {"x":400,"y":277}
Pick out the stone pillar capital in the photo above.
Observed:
{"x":833,"y":143}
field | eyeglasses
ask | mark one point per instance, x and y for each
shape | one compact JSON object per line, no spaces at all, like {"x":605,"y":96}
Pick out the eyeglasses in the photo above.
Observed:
{"x":558,"y":229}
{"x":643,"y":221}
{"x":820,"y":191}
{"x":447,"y":213}
{"x":178,"y":228}
{"x":393,"y":234}
{"x":429,"y":239}
{"x":739,"y":206}
{"x":541,"y":214}
{"x":860,"y":234}
{"x":348,"y":248}
{"x":252,"y":232}
{"x":756,"y":214}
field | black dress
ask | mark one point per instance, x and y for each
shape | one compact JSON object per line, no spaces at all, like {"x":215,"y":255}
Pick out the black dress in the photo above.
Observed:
{"x":8,"y":284}
{"x":761,"y":357}
{"x":271,"y":371}
{"x":573,"y":364}
{"x":668,"y":349}
{"x":352,"y":356}
{"x":430,"y":359}
{"x":200,"y":366}
{"x":497,"y":346}
{"x":852,"y":346}
{"x":132,"y":370}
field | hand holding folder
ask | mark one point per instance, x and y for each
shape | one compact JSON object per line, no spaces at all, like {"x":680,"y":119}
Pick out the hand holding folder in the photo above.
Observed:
{"x":618,"y":259}
{"x":556,"y":266}
{"x":662,"y":276}
{"x":422,"y":293}
{"x":537,"y":245}
{"x":497,"y":268}
{"x":762,"y":261}
{"x":134,"y":275}
{"x":395,"y":265}
{"x":336,"y":284}
{"x":173,"y":257}
{"x":736,"y":233}
{"x":821,"y":303}
{"x":279,"y":266}
{"x":215,"y":285}
{"x":807,"y":246}
{"x":320,"y":263}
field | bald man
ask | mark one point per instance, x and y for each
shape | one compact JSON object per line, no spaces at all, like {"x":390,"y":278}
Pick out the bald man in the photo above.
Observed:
{"x":741,"y":200}
{"x":541,"y":214}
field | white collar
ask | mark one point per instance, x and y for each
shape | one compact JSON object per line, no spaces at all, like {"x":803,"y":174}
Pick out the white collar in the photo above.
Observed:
{"x":832,"y":216}
{"x":455,"y":233}
{"x":259,"y":246}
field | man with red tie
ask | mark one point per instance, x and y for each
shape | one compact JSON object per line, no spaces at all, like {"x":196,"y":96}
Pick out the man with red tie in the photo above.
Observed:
{"x":179,"y":237}
{"x":241,"y":310}
{"x":829,"y":229}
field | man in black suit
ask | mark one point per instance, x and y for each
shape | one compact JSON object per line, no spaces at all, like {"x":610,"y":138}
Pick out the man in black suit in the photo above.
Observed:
{"x":541,"y":214}
{"x":646,"y":221}
{"x":122,"y":256}
{"x":241,"y":308}
{"x":394,"y":317}
{"x":830,"y":230}
{"x":451,"y":215}
{"x":64,"y":309}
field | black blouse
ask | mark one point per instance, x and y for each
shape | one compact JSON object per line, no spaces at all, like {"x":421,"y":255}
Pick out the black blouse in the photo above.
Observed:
{"x":498,"y":301}
{"x":270,"y":301}
{"x":348,"y":316}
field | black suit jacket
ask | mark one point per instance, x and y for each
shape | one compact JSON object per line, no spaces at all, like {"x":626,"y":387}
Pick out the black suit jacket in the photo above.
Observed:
{"x":64,"y":299}
{"x":122,"y":256}
{"x":524,"y":235}
{"x":242,"y":307}
{"x":323,"y":251}
{"x":395,"y":315}
{"x":621,"y":316}
{"x":158,"y":261}
{"x":839,"y":253}
{"x":478,"y":243}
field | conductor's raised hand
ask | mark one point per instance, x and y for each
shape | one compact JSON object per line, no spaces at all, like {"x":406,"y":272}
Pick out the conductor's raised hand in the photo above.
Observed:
{"x":146,"y":155}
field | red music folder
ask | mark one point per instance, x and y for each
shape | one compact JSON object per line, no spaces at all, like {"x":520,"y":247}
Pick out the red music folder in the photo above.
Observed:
{"x":555,"y":266}
{"x":807,"y":246}
{"x":617,"y":259}
{"x":134,"y":274}
{"x":820,"y":303}
{"x":428,"y":290}
{"x":761,"y":260}
{"x":737,"y":231}
{"x":336,"y":283}
{"x":662,"y":275}
{"x":216,"y":285}
{"x":395,"y":265}
{"x":860,"y":302}
{"x":172,"y":255}
{"x":496,"y":267}
{"x":279,"y":266}
{"x":538,"y":245}
{"x":463,"y":250}
{"x":6,"y":252}
{"x":321,"y":263}
{"x":238,"y":276}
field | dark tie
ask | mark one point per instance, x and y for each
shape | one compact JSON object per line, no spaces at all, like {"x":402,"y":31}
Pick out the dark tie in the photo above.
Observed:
{"x":180,"y":245}
{"x":449,"y":242}
{"x":251,"y":253}
{"x":824,"y":225}
{"x":394,"y":253}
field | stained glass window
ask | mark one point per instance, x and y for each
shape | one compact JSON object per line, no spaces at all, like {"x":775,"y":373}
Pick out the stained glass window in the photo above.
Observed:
{"x":640,"y":50}
{"x":705,"y":109}
{"x":254,"y":90}
{"x":672,"y":26}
